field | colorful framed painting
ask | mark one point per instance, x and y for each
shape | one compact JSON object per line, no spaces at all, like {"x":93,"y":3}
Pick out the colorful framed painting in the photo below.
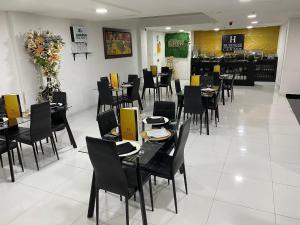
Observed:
{"x":117,"y":43}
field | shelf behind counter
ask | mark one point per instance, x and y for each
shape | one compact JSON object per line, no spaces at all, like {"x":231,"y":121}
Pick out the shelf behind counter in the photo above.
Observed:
{"x":246,"y":72}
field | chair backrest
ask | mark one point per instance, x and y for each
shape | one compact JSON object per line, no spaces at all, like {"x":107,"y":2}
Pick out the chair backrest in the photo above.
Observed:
{"x":165,"y":69}
{"x":105,"y":80}
{"x":12,"y":106}
{"x":132,"y":77}
{"x":153,"y":69}
{"x":109,"y":174}
{"x":177,"y":86}
{"x":59,"y":97}
{"x":106,"y":121}
{"x":192,"y":100}
{"x":114,"y":80}
{"x":216,"y":78}
{"x":165,"y":109}
{"x":178,"y":156}
{"x":207,"y":80}
{"x":134,"y":95}
{"x":40,"y":121}
{"x":148,"y":79}
{"x":104,"y":93}
{"x":195,"y":80}
{"x":2,"y":107}
{"x":167,"y":79}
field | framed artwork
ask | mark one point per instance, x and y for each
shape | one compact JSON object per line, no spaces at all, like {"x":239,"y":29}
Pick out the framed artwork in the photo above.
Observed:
{"x":117,"y":43}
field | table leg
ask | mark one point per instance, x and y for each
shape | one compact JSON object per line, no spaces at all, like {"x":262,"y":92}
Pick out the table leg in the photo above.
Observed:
{"x":223,"y":97}
{"x":206,"y":117}
{"x":141,"y":192}
{"x":10,"y":160}
{"x":179,"y":113}
{"x":140,"y":103}
{"x":71,"y":137}
{"x":92,"y":198}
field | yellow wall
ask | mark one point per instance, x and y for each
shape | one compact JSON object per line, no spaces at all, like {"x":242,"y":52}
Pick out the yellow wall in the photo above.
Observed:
{"x":265,"y":38}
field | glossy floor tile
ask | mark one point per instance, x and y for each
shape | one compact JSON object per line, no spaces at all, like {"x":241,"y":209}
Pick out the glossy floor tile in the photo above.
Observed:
{"x":246,"y":171}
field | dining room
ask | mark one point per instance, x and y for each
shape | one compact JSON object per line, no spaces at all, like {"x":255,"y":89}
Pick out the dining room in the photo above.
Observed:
{"x":149,"y":113}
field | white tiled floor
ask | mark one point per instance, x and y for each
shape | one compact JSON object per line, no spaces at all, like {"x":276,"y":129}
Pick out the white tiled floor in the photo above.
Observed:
{"x":246,"y":172}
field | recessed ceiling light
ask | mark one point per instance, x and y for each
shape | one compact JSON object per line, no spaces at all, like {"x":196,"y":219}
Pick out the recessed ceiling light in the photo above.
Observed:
{"x":101,"y":10}
{"x":249,"y":27}
{"x":239,"y":179}
{"x":216,"y":29}
{"x":254,"y":22}
{"x":245,"y":0}
{"x":181,"y":30}
{"x":251,"y":16}
{"x":168,"y":28}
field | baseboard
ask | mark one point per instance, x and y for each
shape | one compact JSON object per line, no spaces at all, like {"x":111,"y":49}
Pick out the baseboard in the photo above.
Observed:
{"x":292,"y":96}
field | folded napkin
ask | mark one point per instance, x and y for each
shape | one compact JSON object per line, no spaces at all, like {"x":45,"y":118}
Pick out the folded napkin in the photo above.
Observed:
{"x":155,"y":120}
{"x":125,"y":148}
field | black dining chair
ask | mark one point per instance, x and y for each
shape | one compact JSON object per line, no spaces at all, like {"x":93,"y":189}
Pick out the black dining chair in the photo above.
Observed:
{"x":105,"y":80}
{"x":2,"y":108}
{"x":207,"y":80}
{"x":228,"y":86}
{"x":106,"y":96}
{"x":149,"y":83}
{"x":134,"y":94}
{"x":180,"y":95}
{"x":111,"y":176}
{"x":58,"y":118}
{"x":213,"y":105}
{"x":106,"y":122}
{"x":132,"y":77}
{"x":165,"y":82}
{"x":12,"y":145}
{"x":40,"y":128}
{"x":165,"y":109}
{"x":166,"y":165}
{"x":192,"y":103}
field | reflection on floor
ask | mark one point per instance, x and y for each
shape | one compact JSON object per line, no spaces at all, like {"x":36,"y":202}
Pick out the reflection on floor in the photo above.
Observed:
{"x":246,"y":172}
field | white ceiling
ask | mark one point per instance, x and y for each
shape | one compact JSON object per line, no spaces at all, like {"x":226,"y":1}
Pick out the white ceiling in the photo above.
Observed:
{"x":219,"y":12}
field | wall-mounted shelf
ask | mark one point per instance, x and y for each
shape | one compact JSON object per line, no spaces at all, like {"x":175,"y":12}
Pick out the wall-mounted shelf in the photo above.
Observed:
{"x":81,"y":53}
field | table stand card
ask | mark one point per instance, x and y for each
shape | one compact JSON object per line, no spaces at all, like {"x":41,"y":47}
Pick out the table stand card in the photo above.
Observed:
{"x":129,"y":123}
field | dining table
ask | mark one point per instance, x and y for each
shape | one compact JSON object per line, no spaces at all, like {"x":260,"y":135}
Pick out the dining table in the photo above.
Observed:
{"x":207,"y":94}
{"x":11,"y":128}
{"x":148,"y":151}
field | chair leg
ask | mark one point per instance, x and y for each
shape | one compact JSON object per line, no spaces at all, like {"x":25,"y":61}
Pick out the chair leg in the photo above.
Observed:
{"x":216,"y":118}
{"x":121,"y":198}
{"x":54,"y":146}
{"x":127,"y":210}
{"x":151,"y":194}
{"x":35,"y":156}
{"x":41,"y":147}
{"x":20,"y":158}
{"x":1,"y":161}
{"x":174,"y":193}
{"x":55,"y":136}
{"x":36,"y":148}
{"x":200,"y":123}
{"x":154,"y":180}
{"x":21,"y":146}
{"x":231,"y":94}
{"x":134,"y":197}
{"x":143,"y":93}
{"x":97,"y":206}
{"x":185,"y":181}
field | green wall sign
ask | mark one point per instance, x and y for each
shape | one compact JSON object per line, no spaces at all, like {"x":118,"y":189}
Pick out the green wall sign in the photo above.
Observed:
{"x":177,"y":45}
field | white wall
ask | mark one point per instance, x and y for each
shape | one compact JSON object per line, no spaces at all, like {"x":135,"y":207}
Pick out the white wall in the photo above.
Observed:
{"x":77,"y":78}
{"x":290,"y":76}
{"x":281,"y":52}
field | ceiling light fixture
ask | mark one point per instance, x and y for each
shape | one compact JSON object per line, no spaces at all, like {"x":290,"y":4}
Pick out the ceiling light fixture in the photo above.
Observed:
{"x":252,"y":16}
{"x":101,"y":10}
{"x":181,"y":30}
{"x":254,"y":22}
{"x":216,"y":29}
{"x":168,"y":28}
{"x":249,"y":27}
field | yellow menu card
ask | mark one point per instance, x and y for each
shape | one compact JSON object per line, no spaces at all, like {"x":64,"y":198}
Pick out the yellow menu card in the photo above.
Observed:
{"x":129,"y":123}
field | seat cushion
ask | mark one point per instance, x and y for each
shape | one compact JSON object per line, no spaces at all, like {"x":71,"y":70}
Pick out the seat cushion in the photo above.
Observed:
{"x":24,"y":138}
{"x":130,"y":172}
{"x":160,"y":166}
{"x":3,"y":148}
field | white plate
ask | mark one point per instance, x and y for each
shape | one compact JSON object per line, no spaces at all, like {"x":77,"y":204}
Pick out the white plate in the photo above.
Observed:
{"x":134,"y":143}
{"x":156,"y":117}
{"x":54,"y":104}
{"x":4,"y":120}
